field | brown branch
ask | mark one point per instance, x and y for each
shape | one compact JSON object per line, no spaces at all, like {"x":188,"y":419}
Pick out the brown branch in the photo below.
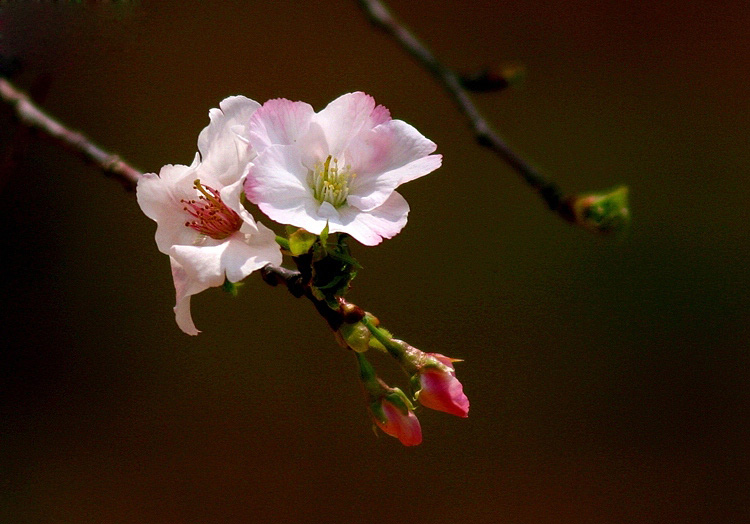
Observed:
{"x":381,"y":17}
{"x":28,"y":113}
{"x":299,"y":286}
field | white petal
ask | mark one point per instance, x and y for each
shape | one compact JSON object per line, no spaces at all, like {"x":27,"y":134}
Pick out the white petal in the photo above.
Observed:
{"x":231,"y":195}
{"x":277,"y":176}
{"x":382,"y":222}
{"x":279,"y":121}
{"x":202,"y":264}
{"x":344,"y":118}
{"x":244,"y":254}
{"x":160,"y":199}
{"x":183,"y":292}
{"x":223,"y":144}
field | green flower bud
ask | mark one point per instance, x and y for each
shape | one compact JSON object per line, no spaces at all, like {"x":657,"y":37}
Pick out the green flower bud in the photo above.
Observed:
{"x":605,"y":212}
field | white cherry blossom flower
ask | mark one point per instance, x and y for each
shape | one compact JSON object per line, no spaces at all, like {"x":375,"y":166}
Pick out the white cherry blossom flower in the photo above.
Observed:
{"x":339,"y":166}
{"x":201,"y":223}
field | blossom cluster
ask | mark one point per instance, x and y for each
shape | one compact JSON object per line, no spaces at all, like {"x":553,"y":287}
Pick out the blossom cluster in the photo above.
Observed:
{"x":327,"y":173}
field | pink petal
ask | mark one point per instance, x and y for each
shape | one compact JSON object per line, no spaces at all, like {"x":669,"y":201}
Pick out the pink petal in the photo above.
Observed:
{"x":443,"y":392}
{"x":406,"y":428}
{"x":372,"y":227}
{"x":386,"y":157}
{"x":344,"y":118}
{"x":279,"y":121}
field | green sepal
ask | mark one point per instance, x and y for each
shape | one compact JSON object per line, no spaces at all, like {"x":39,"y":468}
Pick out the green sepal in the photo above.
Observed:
{"x":605,"y":212}
{"x":324,"y":237}
{"x":385,"y":339}
{"x":416,"y":385}
{"x":301,"y":241}
{"x":374,"y":342}
{"x":356,"y":336}
{"x":231,"y":287}
{"x":376,"y":408}
{"x":399,"y":399}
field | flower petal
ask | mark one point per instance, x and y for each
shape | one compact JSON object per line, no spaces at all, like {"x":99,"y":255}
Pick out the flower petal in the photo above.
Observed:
{"x":160,"y":197}
{"x":244,"y":253}
{"x":390,"y":155}
{"x":344,"y":118}
{"x":184,"y":289}
{"x":277,"y":183}
{"x":202,"y":264}
{"x":279,"y":121}
{"x":406,"y":428}
{"x":443,"y":392}
{"x":372,"y":227}
{"x":223,"y":144}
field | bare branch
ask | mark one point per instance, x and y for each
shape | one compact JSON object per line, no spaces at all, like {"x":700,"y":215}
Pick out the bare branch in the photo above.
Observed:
{"x":381,"y":17}
{"x":28,"y":113}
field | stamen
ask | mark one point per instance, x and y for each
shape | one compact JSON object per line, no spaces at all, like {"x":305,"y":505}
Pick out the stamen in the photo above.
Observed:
{"x":331,"y":184}
{"x":212,"y":216}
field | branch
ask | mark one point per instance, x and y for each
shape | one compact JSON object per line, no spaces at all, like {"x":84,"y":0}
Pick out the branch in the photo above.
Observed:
{"x":568,"y":207}
{"x":28,"y":113}
{"x":298,"y":286}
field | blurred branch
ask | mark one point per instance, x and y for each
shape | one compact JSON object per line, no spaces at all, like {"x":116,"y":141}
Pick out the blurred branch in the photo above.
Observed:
{"x":457,"y":87}
{"x":29,"y":114}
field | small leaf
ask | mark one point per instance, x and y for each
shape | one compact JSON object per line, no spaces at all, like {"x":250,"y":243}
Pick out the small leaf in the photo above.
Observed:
{"x":324,"y":236}
{"x":301,"y":241}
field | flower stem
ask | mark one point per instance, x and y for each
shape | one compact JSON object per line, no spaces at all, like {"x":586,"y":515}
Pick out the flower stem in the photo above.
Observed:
{"x":395,"y":350}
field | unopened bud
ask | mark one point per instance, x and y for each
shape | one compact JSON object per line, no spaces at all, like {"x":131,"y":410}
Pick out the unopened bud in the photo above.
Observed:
{"x":605,"y":212}
{"x":356,"y":336}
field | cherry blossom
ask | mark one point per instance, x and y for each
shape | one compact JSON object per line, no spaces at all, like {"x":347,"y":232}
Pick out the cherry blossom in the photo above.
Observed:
{"x":339,"y":166}
{"x":201,"y":224}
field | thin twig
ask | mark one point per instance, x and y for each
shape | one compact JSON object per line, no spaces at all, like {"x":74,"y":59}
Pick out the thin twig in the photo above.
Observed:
{"x":28,"y":113}
{"x":381,"y":17}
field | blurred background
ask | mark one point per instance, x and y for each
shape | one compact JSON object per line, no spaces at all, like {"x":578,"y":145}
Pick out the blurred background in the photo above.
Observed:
{"x":608,"y":378}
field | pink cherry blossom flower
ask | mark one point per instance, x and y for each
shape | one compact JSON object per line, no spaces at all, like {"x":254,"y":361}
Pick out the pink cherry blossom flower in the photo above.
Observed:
{"x":440,"y":389}
{"x":399,"y":422}
{"x":339,"y":166}
{"x":201,"y":223}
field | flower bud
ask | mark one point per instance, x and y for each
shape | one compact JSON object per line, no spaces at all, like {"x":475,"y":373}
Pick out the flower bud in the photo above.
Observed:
{"x":440,"y":389}
{"x":389,"y":407}
{"x":393,"y":415}
{"x":605,"y":212}
{"x":356,"y":336}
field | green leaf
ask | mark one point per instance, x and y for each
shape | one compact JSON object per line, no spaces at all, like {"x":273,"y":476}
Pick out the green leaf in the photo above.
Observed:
{"x":301,"y":241}
{"x":324,"y":237}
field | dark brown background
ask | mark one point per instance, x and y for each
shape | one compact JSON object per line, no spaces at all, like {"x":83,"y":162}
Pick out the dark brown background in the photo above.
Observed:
{"x":608,"y":379}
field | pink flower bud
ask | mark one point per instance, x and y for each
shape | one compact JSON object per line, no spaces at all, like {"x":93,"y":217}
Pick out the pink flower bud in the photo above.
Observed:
{"x":397,"y":423}
{"x":440,"y":389}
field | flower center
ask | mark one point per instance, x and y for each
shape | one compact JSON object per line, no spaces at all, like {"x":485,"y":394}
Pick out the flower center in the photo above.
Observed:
{"x":331,"y":183}
{"x":211,"y":216}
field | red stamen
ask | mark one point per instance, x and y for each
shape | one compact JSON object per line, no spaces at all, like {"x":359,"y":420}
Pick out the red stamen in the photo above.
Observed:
{"x":212,"y":216}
